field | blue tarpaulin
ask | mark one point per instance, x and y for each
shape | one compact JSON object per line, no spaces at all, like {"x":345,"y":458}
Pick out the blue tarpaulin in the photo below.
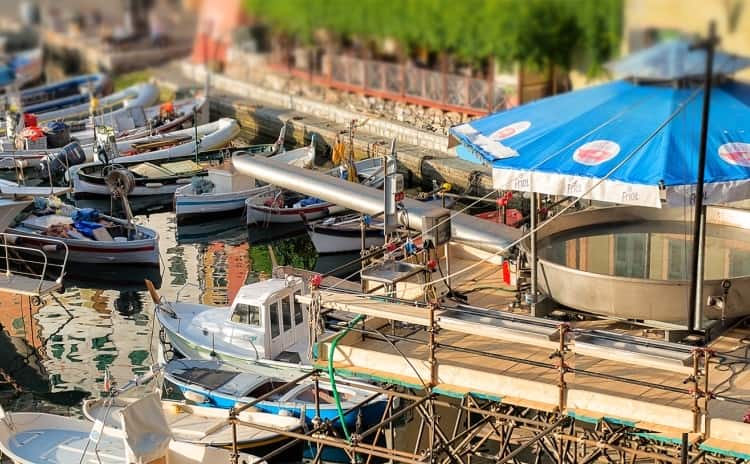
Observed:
{"x":643,"y":139}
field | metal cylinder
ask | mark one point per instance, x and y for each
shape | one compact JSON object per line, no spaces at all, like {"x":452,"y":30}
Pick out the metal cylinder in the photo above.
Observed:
{"x":480,"y":233}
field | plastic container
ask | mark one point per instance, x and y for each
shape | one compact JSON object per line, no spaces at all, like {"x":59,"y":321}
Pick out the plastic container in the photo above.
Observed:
{"x":58,"y":134}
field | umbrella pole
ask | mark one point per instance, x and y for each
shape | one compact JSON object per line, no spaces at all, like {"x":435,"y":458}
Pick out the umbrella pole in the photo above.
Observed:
{"x":533,"y":263}
{"x":695,"y":313}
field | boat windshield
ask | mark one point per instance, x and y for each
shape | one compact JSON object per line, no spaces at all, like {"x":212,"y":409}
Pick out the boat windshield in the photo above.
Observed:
{"x":246,"y":314}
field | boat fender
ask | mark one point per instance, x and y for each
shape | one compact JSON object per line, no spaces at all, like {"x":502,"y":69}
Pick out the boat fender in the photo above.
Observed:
{"x":154,"y":184}
{"x":195,"y":397}
{"x":285,"y":413}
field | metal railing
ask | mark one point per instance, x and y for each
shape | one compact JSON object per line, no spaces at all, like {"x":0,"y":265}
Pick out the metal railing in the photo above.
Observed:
{"x":404,"y":82}
{"x":26,"y":260}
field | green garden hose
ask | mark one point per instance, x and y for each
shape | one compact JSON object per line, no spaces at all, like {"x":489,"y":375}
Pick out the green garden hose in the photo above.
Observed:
{"x":331,"y":372}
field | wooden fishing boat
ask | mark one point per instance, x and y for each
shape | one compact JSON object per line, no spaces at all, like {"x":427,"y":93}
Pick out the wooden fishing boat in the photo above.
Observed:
{"x":144,"y":436}
{"x":225,"y":191}
{"x":73,"y":91}
{"x":138,"y":122}
{"x":264,"y":323}
{"x":343,"y":234}
{"x":211,"y":136}
{"x":143,"y":95}
{"x":200,"y":425}
{"x":279,"y":206}
{"x":158,"y":177}
{"x":51,"y":162}
{"x":90,"y":237}
{"x":222,"y":385}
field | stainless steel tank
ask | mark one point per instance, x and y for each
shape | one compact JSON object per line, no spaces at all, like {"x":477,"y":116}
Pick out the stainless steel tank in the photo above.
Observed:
{"x":653,"y":297}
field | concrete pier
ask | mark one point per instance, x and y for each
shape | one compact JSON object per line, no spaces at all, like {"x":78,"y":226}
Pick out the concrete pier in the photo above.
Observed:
{"x":262,"y":112}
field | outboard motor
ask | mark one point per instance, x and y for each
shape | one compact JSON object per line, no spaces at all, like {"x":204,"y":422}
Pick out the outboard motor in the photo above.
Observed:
{"x":57,"y":163}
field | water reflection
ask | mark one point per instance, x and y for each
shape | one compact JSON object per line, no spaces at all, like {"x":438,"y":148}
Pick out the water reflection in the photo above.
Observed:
{"x":104,"y":319}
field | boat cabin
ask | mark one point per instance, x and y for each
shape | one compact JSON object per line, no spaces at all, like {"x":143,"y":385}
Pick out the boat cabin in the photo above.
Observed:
{"x":279,"y":324}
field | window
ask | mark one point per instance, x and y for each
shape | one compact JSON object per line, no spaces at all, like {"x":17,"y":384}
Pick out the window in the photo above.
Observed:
{"x":286,"y":314}
{"x":677,"y":260}
{"x":631,"y":251}
{"x":297,"y":308}
{"x":246,"y":314}
{"x":273,"y":314}
{"x":739,"y":264}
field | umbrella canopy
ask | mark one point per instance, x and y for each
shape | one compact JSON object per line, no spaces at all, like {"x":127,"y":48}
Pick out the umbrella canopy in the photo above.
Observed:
{"x":626,"y":143}
{"x":673,"y":60}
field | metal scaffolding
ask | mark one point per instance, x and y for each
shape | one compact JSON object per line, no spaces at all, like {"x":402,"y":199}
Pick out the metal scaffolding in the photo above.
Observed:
{"x":459,"y":428}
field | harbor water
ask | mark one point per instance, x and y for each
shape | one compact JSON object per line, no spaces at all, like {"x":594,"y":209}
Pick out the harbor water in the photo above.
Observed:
{"x":104,"y":320}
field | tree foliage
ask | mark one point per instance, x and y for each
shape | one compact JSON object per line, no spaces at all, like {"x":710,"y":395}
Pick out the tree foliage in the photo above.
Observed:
{"x":536,"y":32}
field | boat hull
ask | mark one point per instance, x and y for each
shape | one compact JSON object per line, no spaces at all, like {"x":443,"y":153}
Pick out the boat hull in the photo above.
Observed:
{"x":84,"y":189}
{"x":330,"y":241}
{"x":371,"y":413}
{"x":191,"y":209}
{"x":257,"y":214}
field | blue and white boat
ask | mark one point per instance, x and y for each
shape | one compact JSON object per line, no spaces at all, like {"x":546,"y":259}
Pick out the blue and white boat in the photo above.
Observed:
{"x":221,"y":385}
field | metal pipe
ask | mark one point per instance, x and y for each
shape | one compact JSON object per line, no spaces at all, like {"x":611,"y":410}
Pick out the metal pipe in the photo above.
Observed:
{"x":486,"y":235}
{"x":315,"y":430}
{"x":695,"y":314}
{"x":532,"y":440}
{"x":684,"y":449}
{"x":378,"y":451}
{"x":532,"y":255}
{"x":392,"y":417}
{"x":657,"y":457}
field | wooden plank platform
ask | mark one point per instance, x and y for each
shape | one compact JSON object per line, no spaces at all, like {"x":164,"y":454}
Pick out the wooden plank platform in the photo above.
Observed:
{"x":726,"y":448}
{"x":656,"y":401}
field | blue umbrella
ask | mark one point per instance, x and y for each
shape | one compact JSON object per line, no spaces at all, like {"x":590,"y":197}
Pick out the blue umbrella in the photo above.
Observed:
{"x":626,"y":143}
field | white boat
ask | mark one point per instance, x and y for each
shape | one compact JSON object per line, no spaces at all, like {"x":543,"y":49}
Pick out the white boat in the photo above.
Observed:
{"x":39,"y":438}
{"x":279,"y":206}
{"x":343,"y":234}
{"x":91,"y":238}
{"x":226,"y":191}
{"x":264,"y":323}
{"x":139,"y":122}
{"x":175,"y":144}
{"x":143,"y":95}
{"x":199,"y":425}
{"x":156,"y":178}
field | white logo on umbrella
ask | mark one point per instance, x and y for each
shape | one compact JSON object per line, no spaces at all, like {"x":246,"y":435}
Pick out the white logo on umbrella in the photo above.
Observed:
{"x":510,"y":130}
{"x":596,"y":152}
{"x":736,"y":153}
